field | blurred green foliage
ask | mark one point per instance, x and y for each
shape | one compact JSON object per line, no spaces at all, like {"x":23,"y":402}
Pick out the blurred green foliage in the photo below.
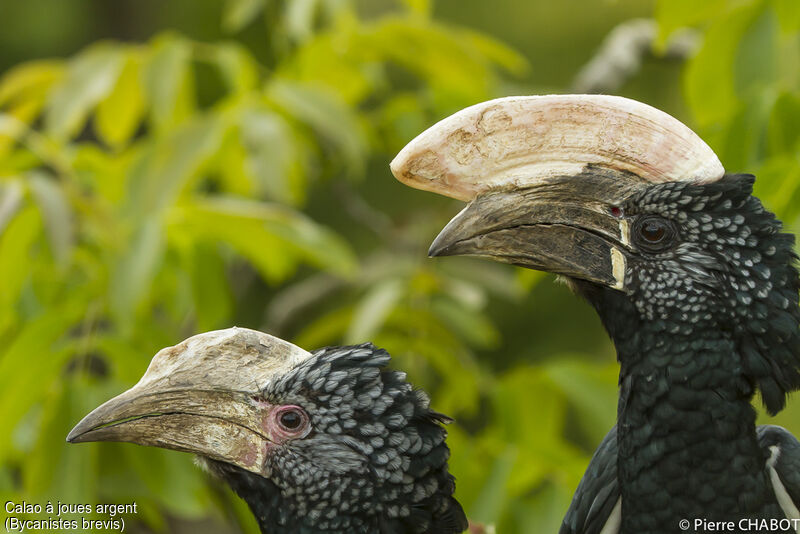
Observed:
{"x":153,"y":190}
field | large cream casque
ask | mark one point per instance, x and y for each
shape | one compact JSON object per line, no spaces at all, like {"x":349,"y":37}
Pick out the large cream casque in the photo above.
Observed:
{"x":519,"y":141}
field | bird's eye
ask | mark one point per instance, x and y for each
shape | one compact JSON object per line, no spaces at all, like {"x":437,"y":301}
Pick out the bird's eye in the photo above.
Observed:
{"x":291,"y":419}
{"x":654,"y":233}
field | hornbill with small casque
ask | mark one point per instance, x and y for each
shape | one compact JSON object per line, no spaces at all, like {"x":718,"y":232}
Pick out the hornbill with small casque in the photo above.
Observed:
{"x":693,"y":279}
{"x":324,"y":442}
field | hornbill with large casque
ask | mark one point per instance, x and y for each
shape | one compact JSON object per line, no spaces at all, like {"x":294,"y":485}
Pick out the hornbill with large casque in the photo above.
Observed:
{"x":693,"y":280}
{"x":325,"y":442}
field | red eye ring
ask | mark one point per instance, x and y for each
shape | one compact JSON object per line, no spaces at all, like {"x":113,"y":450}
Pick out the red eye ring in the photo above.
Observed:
{"x":292,"y":420}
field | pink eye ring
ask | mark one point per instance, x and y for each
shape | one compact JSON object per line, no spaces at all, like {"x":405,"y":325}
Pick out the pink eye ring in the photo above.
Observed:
{"x":291,"y":420}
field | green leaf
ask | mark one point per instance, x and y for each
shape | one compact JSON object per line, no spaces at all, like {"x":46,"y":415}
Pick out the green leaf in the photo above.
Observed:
{"x":239,"y":13}
{"x":528,"y":278}
{"x":489,"y":506}
{"x":537,"y":434}
{"x":237,"y":65}
{"x":119,"y":114}
{"x":11,"y":196}
{"x":403,"y":119}
{"x":788,"y":14}
{"x":230,"y":166}
{"x":174,"y":481}
{"x":497,"y":52}
{"x":56,"y":470}
{"x":778,"y":185}
{"x":93,"y":161}
{"x":591,"y":389}
{"x":332,"y":61}
{"x":89,"y":78}
{"x":275,"y":160}
{"x":544,"y":512}
{"x":318,"y":245}
{"x":466,"y":293}
{"x":133,"y":274}
{"x":30,"y":362}
{"x":244,"y":232}
{"x":372,"y":310}
{"x":11,"y":130}
{"x":168,"y":82}
{"x":490,"y":278}
{"x":16,"y":242}
{"x":470,"y":324}
{"x":756,"y":64}
{"x":164,"y":170}
{"x":15,"y":123}
{"x":528,"y":386}
{"x":709,"y":83}
{"x":675,"y":14}
{"x":420,"y":7}
{"x":240,"y":509}
{"x":127,"y":362}
{"x":213,"y":302}
{"x":326,"y":115}
{"x":783,"y":133}
{"x":743,"y":142}
{"x":327,"y":330}
{"x":299,"y":19}
{"x":56,"y":213}
{"x":272,"y":237}
{"x":456,"y":70}
{"x":29,"y":80}
{"x":426,"y":347}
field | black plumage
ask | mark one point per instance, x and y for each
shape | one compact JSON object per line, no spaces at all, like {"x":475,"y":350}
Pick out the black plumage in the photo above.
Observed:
{"x":329,"y":442}
{"x":712,"y":315}
{"x":376,"y":461}
{"x":693,"y":279}
{"x":706,"y":315}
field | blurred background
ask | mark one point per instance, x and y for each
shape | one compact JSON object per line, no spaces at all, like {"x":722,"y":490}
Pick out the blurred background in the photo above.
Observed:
{"x":168,"y":168}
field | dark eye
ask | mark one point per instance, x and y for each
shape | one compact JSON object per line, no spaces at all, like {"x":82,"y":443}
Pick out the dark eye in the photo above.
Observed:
{"x":654,"y":233}
{"x":292,"y":418}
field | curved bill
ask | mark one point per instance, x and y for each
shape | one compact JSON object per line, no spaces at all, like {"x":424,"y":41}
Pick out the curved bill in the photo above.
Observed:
{"x":545,"y":177}
{"x":564,"y":226}
{"x":200,"y":396}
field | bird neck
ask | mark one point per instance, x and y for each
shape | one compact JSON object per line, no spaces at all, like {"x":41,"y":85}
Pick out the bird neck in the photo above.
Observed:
{"x":273,"y":514}
{"x":278,"y":512}
{"x":686,"y":428}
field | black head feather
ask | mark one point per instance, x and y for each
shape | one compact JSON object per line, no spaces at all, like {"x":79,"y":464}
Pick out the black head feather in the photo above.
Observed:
{"x":374,"y":461}
{"x":731,"y":269}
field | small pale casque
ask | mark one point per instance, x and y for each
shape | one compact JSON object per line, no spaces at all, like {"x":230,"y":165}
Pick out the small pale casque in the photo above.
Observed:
{"x":324,"y":442}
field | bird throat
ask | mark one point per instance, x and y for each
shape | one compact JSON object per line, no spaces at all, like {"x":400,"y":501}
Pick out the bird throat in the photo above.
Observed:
{"x":261,"y":495}
{"x":686,"y":428}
